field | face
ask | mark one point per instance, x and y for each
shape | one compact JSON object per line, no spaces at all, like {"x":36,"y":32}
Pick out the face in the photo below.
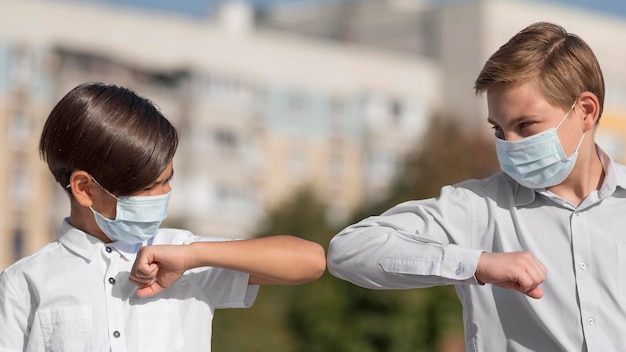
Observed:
{"x":521,"y":111}
{"x":161,"y":185}
{"x":105,"y":204}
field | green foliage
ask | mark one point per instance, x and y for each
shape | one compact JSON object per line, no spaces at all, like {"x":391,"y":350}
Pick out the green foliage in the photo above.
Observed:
{"x":331,"y":315}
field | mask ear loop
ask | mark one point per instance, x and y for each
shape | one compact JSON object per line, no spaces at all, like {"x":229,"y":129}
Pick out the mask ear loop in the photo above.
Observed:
{"x":566,"y":115}
{"x":581,"y":142}
{"x":563,"y":119}
{"x":99,"y":185}
{"x":104,"y":189}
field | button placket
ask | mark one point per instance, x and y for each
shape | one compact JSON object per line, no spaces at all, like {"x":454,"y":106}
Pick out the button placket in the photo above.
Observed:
{"x":113,"y":302}
{"x":581,"y":244}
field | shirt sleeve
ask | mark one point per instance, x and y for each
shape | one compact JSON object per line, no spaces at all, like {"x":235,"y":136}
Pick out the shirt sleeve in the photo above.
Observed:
{"x":14,"y":315}
{"x":415,"y":244}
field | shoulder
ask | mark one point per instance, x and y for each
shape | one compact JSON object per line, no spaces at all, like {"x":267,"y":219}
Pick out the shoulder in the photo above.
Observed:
{"x":495,"y":187}
{"x":17,"y":280}
{"x":36,"y":260}
{"x":464,"y":197}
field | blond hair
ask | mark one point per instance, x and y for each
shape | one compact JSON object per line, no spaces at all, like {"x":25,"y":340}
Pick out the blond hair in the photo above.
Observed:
{"x":560,"y":64}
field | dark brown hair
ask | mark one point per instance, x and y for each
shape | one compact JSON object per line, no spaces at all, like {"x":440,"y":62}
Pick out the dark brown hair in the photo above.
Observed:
{"x":560,"y":64}
{"x":118,"y":137}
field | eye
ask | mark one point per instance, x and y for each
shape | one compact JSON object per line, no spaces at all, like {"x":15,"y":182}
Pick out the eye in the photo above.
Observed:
{"x":497,"y":131}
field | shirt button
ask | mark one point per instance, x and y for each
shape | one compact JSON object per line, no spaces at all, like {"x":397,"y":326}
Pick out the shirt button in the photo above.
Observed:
{"x":583,"y":266}
{"x":108,"y":249}
{"x":116,"y":334}
{"x":590,"y":320}
{"x":577,"y":213}
{"x":112,"y":281}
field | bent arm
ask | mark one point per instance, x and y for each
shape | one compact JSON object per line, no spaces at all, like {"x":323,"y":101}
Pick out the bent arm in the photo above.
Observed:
{"x":442,"y":241}
{"x":414,"y":244}
{"x":381,"y":256}
{"x":284,"y":260}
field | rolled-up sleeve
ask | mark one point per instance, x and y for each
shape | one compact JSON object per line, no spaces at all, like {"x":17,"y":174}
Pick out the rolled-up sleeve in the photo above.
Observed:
{"x":415,"y":244}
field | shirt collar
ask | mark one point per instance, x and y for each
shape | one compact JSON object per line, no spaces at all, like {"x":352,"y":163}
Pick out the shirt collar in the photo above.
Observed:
{"x":88,"y":246}
{"x":612,"y":178}
{"x":79,"y":242}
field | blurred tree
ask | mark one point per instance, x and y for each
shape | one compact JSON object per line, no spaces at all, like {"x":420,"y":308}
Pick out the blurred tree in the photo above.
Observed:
{"x":333,"y":315}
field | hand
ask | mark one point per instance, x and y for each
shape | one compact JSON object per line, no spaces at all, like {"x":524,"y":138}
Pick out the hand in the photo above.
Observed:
{"x":158,"y":267}
{"x":519,"y":271}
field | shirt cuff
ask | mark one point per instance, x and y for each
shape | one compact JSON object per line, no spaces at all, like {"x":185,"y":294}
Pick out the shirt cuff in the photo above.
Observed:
{"x":459,"y":264}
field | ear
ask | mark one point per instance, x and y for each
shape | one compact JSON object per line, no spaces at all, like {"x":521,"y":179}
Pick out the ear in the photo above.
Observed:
{"x":591,"y":109}
{"x":80,"y":184}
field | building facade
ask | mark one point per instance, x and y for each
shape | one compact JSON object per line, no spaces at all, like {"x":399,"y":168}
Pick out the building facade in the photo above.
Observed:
{"x":260,"y":113}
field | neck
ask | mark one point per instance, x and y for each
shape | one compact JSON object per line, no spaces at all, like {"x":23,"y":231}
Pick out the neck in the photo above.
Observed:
{"x":82,"y":218}
{"x":586,"y":177}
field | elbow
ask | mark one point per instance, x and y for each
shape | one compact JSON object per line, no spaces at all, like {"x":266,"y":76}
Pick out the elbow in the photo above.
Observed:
{"x":312,"y":265}
{"x":316,"y":263}
{"x":352,"y":266}
{"x":334,"y":262}
{"x":308,"y":264}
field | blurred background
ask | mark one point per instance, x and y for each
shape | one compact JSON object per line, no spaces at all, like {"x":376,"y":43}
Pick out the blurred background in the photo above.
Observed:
{"x":295,"y":117}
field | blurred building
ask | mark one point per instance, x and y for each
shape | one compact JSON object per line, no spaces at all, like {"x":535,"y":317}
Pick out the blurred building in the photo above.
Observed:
{"x":329,"y":95}
{"x":260,"y":113}
{"x":460,"y":36}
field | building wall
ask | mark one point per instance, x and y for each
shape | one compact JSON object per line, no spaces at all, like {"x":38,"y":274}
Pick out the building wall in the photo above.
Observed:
{"x":461,"y":35}
{"x":474,"y":30}
{"x":260,"y":113}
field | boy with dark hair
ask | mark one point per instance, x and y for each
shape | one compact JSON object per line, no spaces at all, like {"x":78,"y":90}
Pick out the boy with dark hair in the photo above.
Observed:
{"x":558,"y":207}
{"x":112,"y":151}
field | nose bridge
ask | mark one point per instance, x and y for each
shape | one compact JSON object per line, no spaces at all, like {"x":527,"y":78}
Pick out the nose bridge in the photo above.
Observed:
{"x":510,"y":136}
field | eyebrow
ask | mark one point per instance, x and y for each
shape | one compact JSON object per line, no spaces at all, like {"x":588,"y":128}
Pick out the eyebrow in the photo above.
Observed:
{"x":512,"y":122}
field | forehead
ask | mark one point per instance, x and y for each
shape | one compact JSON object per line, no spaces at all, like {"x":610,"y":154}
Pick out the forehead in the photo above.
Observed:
{"x":509,"y":102}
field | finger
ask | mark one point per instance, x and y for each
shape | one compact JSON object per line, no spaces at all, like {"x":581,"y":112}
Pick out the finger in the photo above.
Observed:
{"x":524,"y":281}
{"x":535,"y":293}
{"x":150,"y":290}
{"x":140,"y":282}
{"x":148,"y":271}
{"x":529,"y":285}
{"x":142,"y":279}
{"x":536,"y":274}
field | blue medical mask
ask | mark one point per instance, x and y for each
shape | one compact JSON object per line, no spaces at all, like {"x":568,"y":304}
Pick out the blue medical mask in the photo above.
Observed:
{"x":537,"y":161}
{"x":137,"y":218}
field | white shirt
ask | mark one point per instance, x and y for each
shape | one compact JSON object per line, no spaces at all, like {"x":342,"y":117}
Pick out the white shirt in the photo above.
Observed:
{"x":438,"y":241}
{"x":74,"y":295}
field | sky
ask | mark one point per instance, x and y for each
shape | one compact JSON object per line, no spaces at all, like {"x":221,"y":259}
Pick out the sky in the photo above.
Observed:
{"x":202,"y":7}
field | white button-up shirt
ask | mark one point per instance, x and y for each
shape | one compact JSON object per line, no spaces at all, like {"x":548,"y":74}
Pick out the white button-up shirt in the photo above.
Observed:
{"x":438,"y":241}
{"x":74,"y":295}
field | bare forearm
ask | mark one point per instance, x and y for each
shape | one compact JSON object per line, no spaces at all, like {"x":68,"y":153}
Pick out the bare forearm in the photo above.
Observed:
{"x":268,"y":260}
